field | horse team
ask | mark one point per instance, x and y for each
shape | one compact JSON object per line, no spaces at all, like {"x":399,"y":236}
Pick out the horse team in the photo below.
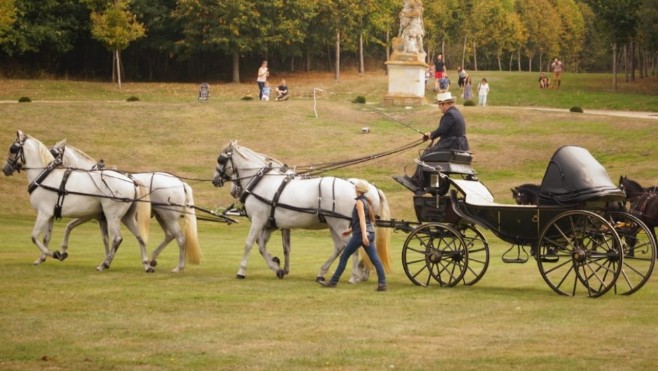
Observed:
{"x":65,"y":182}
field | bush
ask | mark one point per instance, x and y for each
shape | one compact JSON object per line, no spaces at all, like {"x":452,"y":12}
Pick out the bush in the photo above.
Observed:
{"x":469,"y":103}
{"x":133,"y":99}
{"x":360,"y":99}
{"x":247,"y":97}
{"x":576,"y":109}
{"x":24,"y":100}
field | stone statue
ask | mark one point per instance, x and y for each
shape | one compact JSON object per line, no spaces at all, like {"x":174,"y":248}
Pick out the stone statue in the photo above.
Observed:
{"x":409,"y":43}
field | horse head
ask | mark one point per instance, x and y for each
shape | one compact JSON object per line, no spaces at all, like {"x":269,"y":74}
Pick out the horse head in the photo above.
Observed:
{"x":631,"y":188}
{"x":16,"y":159}
{"x":225,"y":168}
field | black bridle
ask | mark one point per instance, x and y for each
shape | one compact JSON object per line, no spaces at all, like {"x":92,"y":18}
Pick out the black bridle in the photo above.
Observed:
{"x":16,"y":158}
{"x":223,"y":159}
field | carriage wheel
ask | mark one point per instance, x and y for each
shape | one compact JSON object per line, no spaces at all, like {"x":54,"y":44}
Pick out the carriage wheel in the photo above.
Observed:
{"x":435,"y":251}
{"x":579,"y":254}
{"x":478,"y":254}
{"x":639,"y":252}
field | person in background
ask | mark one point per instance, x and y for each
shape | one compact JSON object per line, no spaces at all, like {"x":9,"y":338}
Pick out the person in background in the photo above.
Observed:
{"x":483,"y":92}
{"x":362,"y":228}
{"x":439,"y":69}
{"x":461,"y":74}
{"x":468,"y":88}
{"x":263,"y":73}
{"x":544,"y":81}
{"x":557,"y":67}
{"x":265,"y":93}
{"x":282,"y":90}
{"x":444,"y":83}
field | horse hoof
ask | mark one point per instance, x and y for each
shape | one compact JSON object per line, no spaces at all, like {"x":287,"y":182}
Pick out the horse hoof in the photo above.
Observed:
{"x":280,"y":274}
{"x":63,"y":256}
{"x":153,"y":263}
{"x":239,"y":276}
{"x":150,"y":269}
{"x":319,"y":279}
{"x":276,"y":260}
{"x":57,"y":255}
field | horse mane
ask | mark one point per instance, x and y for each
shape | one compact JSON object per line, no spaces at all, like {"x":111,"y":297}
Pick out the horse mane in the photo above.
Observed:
{"x":247,"y":152}
{"x":44,"y":154}
{"x":80,"y":153}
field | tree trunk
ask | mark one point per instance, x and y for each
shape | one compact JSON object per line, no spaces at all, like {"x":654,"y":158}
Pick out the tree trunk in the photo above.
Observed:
{"x":475,"y":57}
{"x":614,"y":66}
{"x":541,"y":61}
{"x":362,"y":68}
{"x":500,"y":62}
{"x":118,"y":61}
{"x":518,"y":59}
{"x":464,"y":52}
{"x":337,"y":72}
{"x":236,"y":66}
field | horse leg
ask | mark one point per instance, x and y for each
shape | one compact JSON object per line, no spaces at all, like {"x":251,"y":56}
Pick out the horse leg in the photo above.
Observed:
{"x":42,"y":226}
{"x":285,"y":240}
{"x":256,"y":227}
{"x":360,"y":272}
{"x":169,"y":236}
{"x":114,"y":235}
{"x":272,"y":263}
{"x":130,"y":222}
{"x":67,"y":233}
{"x":339,"y":245}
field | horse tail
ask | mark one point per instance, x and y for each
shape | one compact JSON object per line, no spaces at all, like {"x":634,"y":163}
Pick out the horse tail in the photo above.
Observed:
{"x":192,"y":249}
{"x":143,"y":211}
{"x":382,"y":237}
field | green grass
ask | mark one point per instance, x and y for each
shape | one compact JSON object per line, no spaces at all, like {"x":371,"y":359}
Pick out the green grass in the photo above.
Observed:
{"x":65,"y":315}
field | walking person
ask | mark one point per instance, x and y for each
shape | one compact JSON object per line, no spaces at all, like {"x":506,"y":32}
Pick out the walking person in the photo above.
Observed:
{"x":362,"y":228}
{"x":263,"y":73}
{"x":468,"y":88}
{"x":439,"y":69}
{"x":483,"y":91}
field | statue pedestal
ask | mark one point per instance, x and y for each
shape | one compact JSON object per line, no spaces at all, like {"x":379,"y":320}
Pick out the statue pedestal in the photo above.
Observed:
{"x":406,"y":83}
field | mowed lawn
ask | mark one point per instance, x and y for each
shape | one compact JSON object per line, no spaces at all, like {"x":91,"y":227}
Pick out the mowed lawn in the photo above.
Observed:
{"x":66,"y":315}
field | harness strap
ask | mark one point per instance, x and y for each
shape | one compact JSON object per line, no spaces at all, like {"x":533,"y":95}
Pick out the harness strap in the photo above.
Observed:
{"x":271,"y":221}
{"x":253,"y":183}
{"x":320,"y":216}
{"x":61,"y":193}
{"x":36,"y":183}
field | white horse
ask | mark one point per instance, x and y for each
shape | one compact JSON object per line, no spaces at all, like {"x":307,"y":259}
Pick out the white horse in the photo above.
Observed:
{"x":172,"y":201}
{"x":59,"y":192}
{"x":275,"y":199}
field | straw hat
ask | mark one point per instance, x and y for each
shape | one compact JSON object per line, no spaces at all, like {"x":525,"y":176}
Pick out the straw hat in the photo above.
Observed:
{"x":444,"y":97}
{"x":361,"y":187}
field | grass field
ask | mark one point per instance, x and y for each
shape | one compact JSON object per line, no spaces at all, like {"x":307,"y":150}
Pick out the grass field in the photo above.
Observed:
{"x":65,"y":315}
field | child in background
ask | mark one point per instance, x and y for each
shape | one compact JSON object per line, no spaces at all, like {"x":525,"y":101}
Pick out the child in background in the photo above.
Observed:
{"x":266,"y":92}
{"x":483,"y":91}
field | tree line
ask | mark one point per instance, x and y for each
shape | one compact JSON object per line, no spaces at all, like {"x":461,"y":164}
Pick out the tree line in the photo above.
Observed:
{"x":192,"y":40}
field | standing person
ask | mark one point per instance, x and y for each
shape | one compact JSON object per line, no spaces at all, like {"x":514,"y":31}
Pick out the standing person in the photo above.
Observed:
{"x":468,"y":88}
{"x":363,"y":235}
{"x":439,"y":68}
{"x":461,"y":74}
{"x":557,"y":67}
{"x":265,"y":93}
{"x":483,"y":91}
{"x":263,"y":73}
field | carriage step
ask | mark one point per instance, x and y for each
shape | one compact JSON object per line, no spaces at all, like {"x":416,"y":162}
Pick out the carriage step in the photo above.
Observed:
{"x":520,"y":258}
{"x":407,"y":182}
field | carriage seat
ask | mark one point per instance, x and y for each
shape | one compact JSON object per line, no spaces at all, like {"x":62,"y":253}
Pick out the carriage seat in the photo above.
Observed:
{"x":449,"y":161}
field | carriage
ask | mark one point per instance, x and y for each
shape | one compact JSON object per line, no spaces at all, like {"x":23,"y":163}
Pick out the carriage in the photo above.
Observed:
{"x":583,"y":240}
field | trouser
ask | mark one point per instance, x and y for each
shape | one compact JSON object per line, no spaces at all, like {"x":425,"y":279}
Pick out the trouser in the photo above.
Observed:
{"x":352,"y":245}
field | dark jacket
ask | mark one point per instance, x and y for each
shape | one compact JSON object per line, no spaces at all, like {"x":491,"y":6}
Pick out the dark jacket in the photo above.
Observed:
{"x":451,"y":132}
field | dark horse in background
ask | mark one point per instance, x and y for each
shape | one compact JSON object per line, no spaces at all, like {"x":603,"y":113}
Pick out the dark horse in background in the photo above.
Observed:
{"x":644,"y":201}
{"x":526,"y":194}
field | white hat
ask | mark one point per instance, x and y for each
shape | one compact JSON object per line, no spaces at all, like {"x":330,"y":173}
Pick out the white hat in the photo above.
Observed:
{"x":361,"y":187}
{"x":444,"y":97}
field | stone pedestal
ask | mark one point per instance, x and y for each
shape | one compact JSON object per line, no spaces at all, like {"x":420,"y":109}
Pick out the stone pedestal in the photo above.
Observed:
{"x":406,"y":83}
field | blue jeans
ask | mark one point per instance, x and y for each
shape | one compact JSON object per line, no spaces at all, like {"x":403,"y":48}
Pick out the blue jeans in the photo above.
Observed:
{"x":261,"y":85}
{"x":352,"y":245}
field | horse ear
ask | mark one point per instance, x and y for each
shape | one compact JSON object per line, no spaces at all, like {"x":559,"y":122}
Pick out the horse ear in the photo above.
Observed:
{"x":60,"y":144}
{"x":19,"y":135}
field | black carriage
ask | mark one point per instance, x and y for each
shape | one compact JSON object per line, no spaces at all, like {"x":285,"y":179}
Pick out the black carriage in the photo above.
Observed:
{"x":582,"y":239}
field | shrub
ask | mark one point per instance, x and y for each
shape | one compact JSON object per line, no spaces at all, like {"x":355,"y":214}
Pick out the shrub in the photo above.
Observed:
{"x":24,"y":100}
{"x":360,"y":99}
{"x":469,"y":103}
{"x":247,"y":97}
{"x":576,"y":109}
{"x":133,"y":99}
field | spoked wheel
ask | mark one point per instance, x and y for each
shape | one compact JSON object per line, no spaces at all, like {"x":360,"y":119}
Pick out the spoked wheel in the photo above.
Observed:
{"x":435,"y":251}
{"x":639,"y":252}
{"x":579,"y":254}
{"x":478,"y":254}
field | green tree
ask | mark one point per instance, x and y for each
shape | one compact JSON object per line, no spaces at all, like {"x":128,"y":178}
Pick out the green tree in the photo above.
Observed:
{"x":116,"y":27}
{"x":543,"y":25}
{"x":7,"y":17}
